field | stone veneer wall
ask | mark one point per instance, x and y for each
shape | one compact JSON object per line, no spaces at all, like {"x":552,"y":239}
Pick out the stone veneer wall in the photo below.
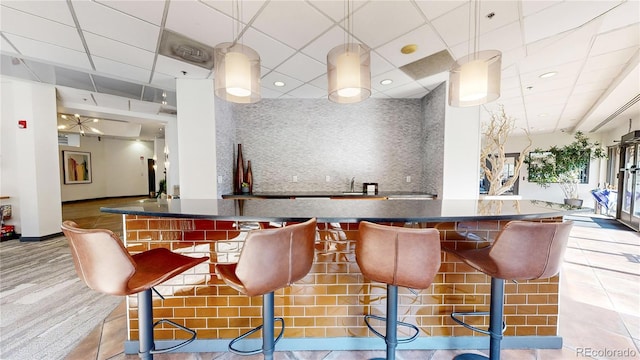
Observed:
{"x":433,"y":111}
{"x":330,"y":301}
{"x":378,"y":140}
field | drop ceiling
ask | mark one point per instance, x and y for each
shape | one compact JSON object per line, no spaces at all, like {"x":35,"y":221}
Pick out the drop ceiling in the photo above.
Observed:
{"x":104,"y":56}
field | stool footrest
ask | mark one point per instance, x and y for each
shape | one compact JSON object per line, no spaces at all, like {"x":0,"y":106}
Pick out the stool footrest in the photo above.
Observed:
{"x":252,"y":331}
{"x":183,"y":328}
{"x":455,"y":316}
{"x":400,"y":323}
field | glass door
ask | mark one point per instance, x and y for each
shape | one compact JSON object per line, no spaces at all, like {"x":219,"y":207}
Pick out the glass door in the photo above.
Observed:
{"x":630,"y":192}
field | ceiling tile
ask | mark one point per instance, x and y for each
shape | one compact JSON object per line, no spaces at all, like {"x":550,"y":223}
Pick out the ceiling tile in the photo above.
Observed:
{"x":627,"y":13}
{"x":246,"y":9}
{"x":293,"y":23}
{"x":289,"y":82}
{"x":428,"y":43}
{"x":47,"y":31}
{"x":267,"y":93}
{"x":599,"y":76}
{"x":149,"y":11}
{"x":320,"y":47}
{"x":307,"y":91}
{"x":554,"y":20}
{"x":614,"y":58}
{"x":433,"y":9}
{"x":504,"y":39}
{"x":615,"y":40}
{"x":321,"y":82}
{"x":112,"y":101}
{"x":129,"y":30}
{"x":174,"y":68}
{"x":163,"y":81}
{"x":272,"y":52}
{"x":15,"y":68}
{"x":530,"y":7}
{"x":144,"y":106}
{"x":336,"y":10}
{"x":302,"y":67}
{"x":52,"y":10}
{"x":412,"y":90}
{"x":54,"y":54}
{"x":200,"y":22}
{"x":399,"y":79}
{"x":117,"y":51}
{"x":121,"y":70}
{"x":79,"y":81}
{"x":379,"y":65}
{"x":433,"y":81}
{"x":379,"y":22}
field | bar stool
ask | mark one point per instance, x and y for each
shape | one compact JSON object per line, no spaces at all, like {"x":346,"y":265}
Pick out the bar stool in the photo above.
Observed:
{"x":270,"y":259}
{"x":104,"y":265}
{"x":397,"y":256}
{"x":523,"y":250}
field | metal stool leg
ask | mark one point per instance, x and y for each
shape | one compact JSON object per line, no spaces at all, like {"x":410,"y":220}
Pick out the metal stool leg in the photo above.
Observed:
{"x":392,"y":321}
{"x":496,"y":311}
{"x":268,"y":343}
{"x":267,"y":327}
{"x":145,"y":325}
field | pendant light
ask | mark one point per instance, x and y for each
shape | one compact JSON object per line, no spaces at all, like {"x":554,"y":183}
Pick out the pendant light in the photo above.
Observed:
{"x":237,"y":69}
{"x":474,"y":79}
{"x":349,"y":68}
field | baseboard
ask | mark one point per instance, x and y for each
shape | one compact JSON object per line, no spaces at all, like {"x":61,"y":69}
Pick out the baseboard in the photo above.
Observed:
{"x":105,"y":198}
{"x":39,"y":238}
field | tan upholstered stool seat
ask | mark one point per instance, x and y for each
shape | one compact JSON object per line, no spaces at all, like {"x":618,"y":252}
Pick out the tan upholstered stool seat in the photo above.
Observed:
{"x":271,"y":259}
{"x":397,"y":256}
{"x":104,"y":264}
{"x":523,"y":250}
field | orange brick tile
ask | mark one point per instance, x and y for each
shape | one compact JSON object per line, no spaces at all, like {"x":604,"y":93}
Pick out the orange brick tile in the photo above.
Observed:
{"x":314,"y":332}
{"x":525,"y":331}
{"x":295,"y":332}
{"x":243,"y":322}
{"x":206,"y":312}
{"x":195,"y":323}
{"x":546,"y":331}
{"x":228,"y":311}
{"x":217,"y":323}
{"x":548,"y":309}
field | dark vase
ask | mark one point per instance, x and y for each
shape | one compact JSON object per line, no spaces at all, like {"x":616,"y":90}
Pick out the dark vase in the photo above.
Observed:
{"x":239,"y":179}
{"x":248,"y":177}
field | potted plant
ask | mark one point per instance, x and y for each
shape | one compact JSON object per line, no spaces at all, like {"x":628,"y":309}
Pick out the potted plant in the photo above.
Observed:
{"x":563,"y":165}
{"x":244,"y":187}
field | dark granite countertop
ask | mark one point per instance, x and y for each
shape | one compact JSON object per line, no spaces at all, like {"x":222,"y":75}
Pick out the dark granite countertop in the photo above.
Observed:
{"x":328,"y":210}
{"x":332,"y":195}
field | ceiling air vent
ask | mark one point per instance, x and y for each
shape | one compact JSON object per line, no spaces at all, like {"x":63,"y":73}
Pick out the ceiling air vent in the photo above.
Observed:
{"x":619,"y":111}
{"x":428,"y":66}
{"x":184,"y":49}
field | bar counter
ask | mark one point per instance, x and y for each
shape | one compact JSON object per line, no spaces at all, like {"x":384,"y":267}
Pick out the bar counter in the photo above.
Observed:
{"x":324,"y":311}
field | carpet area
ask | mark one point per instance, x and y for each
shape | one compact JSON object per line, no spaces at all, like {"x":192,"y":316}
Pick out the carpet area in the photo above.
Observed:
{"x":45,"y":310}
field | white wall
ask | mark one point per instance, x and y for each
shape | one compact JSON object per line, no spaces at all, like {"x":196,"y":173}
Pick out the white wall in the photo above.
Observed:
{"x":196,"y":126}
{"x":119,"y":168}
{"x":461,"y":153}
{"x":29,"y":157}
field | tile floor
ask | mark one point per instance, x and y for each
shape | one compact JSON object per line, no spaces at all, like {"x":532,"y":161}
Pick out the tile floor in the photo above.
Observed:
{"x":599,"y":306}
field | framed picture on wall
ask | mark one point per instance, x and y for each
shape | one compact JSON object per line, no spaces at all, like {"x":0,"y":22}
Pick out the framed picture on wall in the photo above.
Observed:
{"x":77,"y":167}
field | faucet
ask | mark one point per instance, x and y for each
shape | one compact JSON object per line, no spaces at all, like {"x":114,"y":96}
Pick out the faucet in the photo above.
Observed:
{"x":353,"y":179}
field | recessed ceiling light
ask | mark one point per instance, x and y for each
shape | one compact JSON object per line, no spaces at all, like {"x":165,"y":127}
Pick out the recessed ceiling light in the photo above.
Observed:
{"x":409,"y":49}
{"x":386,"y":82}
{"x":548,"y":74}
{"x":279,"y":83}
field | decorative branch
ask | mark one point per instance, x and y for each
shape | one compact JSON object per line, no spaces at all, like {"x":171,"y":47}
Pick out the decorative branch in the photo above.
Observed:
{"x":492,"y":155}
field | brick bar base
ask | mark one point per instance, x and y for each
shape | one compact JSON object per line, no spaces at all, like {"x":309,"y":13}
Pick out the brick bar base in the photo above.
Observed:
{"x":331,"y":300}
